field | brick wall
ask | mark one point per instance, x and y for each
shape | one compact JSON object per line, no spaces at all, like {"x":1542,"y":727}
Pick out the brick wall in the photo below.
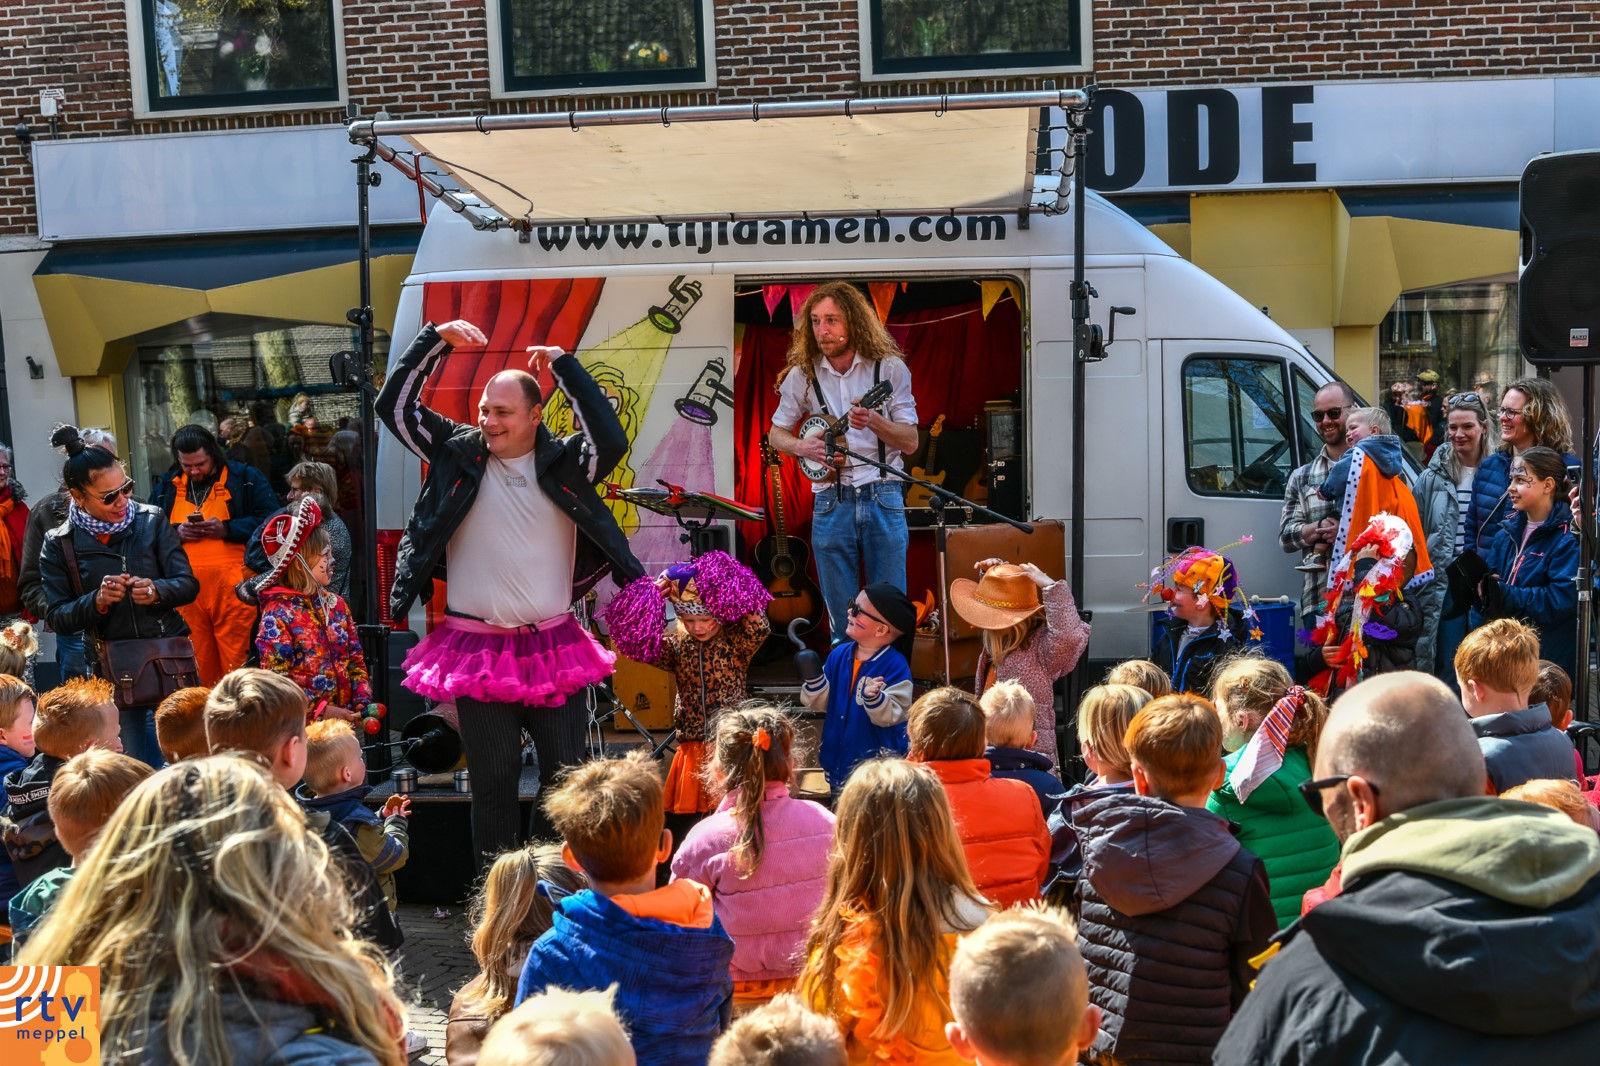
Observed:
{"x":418,"y":57}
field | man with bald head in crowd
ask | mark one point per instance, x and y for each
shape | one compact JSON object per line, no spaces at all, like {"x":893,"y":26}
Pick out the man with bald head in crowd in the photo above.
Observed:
{"x":1468,"y":926}
{"x":510,"y":512}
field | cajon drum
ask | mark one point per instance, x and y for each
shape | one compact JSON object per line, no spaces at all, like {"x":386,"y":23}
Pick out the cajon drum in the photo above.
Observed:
{"x":646,"y":691}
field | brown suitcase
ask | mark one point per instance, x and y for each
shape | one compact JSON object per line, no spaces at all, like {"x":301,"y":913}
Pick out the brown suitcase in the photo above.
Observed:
{"x":1045,"y":547}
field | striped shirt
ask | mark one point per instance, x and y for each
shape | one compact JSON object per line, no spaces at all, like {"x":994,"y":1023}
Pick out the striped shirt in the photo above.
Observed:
{"x":1463,"y":501}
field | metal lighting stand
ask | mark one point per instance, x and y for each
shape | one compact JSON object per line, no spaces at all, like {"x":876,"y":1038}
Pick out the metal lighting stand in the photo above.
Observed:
{"x":1584,"y":524}
{"x":1085,"y":349}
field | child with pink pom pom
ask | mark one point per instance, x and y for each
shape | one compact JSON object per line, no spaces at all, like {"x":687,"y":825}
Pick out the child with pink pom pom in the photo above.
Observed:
{"x":721,"y":624}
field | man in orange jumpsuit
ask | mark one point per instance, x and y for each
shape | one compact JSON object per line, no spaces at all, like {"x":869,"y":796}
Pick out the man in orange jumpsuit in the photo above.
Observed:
{"x":217,"y":506}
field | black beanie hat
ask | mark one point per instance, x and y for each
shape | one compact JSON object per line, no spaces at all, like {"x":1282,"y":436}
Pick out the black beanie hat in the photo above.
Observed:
{"x":896,"y":608}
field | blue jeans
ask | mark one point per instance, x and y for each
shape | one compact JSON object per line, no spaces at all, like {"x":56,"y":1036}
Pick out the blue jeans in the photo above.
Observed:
{"x":72,"y":658}
{"x":139,"y":736}
{"x":852,"y":526}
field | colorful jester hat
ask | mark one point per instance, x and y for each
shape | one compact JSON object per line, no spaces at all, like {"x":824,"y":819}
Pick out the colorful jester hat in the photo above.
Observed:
{"x":282,"y":536}
{"x":1390,"y":537}
{"x":713,"y":584}
{"x":1209,"y":575}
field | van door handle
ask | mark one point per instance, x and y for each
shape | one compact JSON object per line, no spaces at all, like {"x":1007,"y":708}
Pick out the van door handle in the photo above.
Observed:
{"x":1185,"y":532}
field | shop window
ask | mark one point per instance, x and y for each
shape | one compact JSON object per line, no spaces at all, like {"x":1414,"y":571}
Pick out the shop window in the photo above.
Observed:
{"x":1236,"y":427}
{"x":237,"y":54}
{"x":243,"y":381}
{"x":907,"y":39}
{"x":564,"y":46}
{"x":1464,"y":333}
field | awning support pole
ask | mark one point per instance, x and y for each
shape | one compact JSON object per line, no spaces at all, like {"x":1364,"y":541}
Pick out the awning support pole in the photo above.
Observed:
{"x":1083,"y":352}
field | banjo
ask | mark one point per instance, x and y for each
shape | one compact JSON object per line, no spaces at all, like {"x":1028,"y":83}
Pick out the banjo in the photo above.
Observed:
{"x":821,"y":425}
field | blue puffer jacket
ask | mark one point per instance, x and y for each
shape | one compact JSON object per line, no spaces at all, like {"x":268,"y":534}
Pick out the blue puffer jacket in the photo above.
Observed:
{"x":674,"y":992}
{"x":1490,"y":505}
{"x":1537,"y":583}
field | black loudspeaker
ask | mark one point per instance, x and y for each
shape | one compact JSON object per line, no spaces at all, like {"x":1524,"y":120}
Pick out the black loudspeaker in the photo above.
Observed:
{"x":1558,"y":292}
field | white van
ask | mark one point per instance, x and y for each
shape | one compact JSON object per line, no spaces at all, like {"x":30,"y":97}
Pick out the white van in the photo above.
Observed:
{"x":1196,"y":417}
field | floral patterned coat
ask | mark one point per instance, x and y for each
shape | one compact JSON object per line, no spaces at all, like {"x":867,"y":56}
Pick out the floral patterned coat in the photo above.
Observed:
{"x":711,"y":675}
{"x":314,"y":646}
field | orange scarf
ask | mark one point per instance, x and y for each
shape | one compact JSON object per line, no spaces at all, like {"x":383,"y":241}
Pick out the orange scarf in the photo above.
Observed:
{"x":8,"y":546}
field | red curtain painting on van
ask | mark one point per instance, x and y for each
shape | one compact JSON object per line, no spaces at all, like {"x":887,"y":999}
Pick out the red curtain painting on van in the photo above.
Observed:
{"x":514,"y":313}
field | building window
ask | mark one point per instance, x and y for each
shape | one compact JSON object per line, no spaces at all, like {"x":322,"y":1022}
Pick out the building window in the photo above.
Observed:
{"x":1463,"y":333}
{"x":1237,"y":432}
{"x":209,"y":55}
{"x":562,"y":46}
{"x":906,"y":39}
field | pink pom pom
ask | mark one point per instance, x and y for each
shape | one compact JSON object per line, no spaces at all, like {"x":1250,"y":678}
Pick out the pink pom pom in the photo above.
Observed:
{"x":728,"y":588}
{"x":635,"y":618}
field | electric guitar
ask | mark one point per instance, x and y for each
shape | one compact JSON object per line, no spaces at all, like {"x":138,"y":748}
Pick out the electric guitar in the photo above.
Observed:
{"x":916,"y":495}
{"x":819,"y":425}
{"x":781,"y":560}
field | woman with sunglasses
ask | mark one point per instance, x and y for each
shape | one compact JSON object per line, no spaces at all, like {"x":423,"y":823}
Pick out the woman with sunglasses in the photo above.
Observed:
{"x":131,"y":568}
{"x":1532,"y":414}
{"x":1444,"y":492}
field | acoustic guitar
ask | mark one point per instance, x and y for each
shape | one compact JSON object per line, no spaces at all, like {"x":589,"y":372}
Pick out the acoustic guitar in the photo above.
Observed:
{"x":781,"y":561}
{"x":916,"y":495}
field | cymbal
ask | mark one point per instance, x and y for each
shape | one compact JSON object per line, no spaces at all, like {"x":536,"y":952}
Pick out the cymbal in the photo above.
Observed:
{"x":686,"y":503}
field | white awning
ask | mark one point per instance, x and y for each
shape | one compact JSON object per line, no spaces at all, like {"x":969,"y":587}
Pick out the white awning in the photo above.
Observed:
{"x":977,"y":153}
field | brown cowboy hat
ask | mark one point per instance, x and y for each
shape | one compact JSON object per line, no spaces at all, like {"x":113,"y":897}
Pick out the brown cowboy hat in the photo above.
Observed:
{"x":1001,"y":598}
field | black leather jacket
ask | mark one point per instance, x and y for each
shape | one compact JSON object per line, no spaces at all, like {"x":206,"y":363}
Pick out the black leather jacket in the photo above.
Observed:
{"x":147,"y":548}
{"x":567,"y":469}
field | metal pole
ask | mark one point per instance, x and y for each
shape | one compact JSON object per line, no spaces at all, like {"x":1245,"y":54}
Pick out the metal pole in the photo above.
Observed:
{"x":1583,"y":523}
{"x":1082,"y":339}
{"x":374,"y":634}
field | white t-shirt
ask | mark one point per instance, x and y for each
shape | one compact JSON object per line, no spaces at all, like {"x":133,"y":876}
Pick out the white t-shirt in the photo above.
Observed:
{"x":510,"y":561}
{"x":797,"y":399}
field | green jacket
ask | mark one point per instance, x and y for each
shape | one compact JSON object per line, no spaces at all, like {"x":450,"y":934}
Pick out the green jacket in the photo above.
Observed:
{"x":1297,"y":846}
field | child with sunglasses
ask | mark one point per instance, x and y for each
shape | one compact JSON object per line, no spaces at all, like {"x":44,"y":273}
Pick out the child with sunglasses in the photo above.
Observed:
{"x":865,"y":686}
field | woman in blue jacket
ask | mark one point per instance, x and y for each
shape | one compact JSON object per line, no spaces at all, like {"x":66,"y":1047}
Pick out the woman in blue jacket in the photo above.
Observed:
{"x":1533,"y":562}
{"x":1532,"y":414}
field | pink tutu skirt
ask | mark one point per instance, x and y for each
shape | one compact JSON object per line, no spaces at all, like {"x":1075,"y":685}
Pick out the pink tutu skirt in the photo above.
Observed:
{"x":539,"y":667}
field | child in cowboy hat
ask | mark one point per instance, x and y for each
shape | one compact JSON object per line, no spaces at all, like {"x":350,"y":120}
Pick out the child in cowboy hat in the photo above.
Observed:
{"x":721,"y":624}
{"x":1031,"y":634}
{"x":1205,"y":627}
{"x":306,"y":632}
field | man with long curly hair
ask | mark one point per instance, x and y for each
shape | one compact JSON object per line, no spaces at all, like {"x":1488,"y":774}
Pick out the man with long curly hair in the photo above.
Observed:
{"x":839,"y":351}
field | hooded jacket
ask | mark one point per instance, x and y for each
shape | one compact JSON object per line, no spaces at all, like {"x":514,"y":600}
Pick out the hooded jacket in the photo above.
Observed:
{"x":1029,"y":767}
{"x":1001,"y":830}
{"x":10,"y":762}
{"x":1171,"y":911}
{"x":674,"y":994}
{"x":1522,"y":746}
{"x":28,"y":833}
{"x":1538,"y":582}
{"x":262,"y":1031}
{"x":1385,"y":453}
{"x":567,"y":470}
{"x":1490,"y":504}
{"x":385,"y":843}
{"x":1468,"y":932}
{"x":1295,"y":844}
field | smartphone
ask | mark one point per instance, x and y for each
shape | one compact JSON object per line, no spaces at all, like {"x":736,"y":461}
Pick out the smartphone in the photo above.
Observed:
{"x":196,"y":517}
{"x":1574,"y":474}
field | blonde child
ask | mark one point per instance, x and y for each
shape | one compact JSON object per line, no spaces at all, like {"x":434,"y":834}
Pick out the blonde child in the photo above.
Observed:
{"x":1032,"y":634}
{"x":1562,"y":795}
{"x":1010,"y":732}
{"x":782,"y":1033}
{"x":18,"y":645}
{"x":899,"y":897}
{"x":70,"y":720}
{"x":177,"y":984}
{"x":1261,"y":795}
{"x":721,"y":624}
{"x":83,"y":796}
{"x":336,"y":784}
{"x":1019,"y":991}
{"x":763,"y":854}
{"x":16,"y":749}
{"x":306,"y":632}
{"x":1141,"y":673}
{"x":507,"y":915}
{"x":1104,"y":715}
{"x":663,"y":947}
{"x":560,"y":1028}
{"x":181,"y":724}
{"x":1001,"y":831}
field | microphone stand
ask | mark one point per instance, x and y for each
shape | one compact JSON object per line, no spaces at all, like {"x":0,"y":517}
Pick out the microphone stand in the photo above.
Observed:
{"x":940,"y":499}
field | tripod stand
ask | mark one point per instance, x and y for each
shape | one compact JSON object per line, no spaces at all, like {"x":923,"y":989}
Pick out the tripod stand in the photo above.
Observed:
{"x":940,"y":501}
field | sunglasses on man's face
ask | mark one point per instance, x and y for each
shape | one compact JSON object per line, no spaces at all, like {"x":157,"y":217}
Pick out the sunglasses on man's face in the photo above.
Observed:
{"x":1332,"y":414}
{"x":1312,"y":791}
{"x":109,"y":498}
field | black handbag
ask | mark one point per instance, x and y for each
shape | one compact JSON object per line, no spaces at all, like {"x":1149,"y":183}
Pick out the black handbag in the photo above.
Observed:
{"x":143,"y":671}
